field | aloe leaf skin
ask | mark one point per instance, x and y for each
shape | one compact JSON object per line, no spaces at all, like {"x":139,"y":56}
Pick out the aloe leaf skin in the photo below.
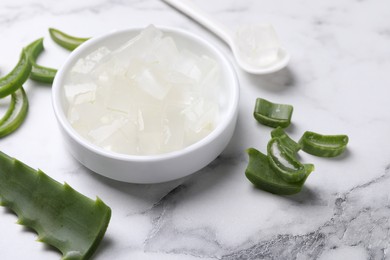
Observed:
{"x":286,"y":140}
{"x":14,"y":79}
{"x":284,"y":163}
{"x":39,"y":73}
{"x":9,"y":111}
{"x":323,"y":145}
{"x":15,"y":114}
{"x":65,"y":40}
{"x":261,"y":174}
{"x":272,"y":114}
{"x":62,"y":217}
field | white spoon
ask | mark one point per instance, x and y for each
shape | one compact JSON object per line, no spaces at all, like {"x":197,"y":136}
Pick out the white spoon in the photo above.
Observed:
{"x":222,"y":32}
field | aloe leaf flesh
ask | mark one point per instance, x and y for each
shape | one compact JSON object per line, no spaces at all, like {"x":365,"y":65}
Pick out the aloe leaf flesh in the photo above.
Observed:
{"x":286,"y":164}
{"x":285,"y":140}
{"x":61,"y":216}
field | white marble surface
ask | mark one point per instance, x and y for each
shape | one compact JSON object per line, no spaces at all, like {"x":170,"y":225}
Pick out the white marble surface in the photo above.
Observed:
{"x":337,"y":81}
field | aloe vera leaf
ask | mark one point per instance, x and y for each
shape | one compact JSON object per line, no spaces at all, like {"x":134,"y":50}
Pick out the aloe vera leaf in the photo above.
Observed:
{"x":38,"y":72}
{"x":323,"y":145}
{"x":15,"y":114}
{"x":62,"y":217}
{"x":14,"y":79}
{"x":261,"y":174}
{"x":65,"y":40}
{"x":272,"y":114}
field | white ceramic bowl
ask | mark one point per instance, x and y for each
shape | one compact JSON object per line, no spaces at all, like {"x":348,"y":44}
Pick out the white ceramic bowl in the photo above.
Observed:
{"x":153,"y":168}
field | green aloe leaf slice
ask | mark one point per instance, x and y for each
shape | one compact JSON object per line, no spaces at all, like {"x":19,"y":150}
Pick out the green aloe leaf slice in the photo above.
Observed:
{"x":62,"y":217}
{"x":15,"y":79}
{"x":9,"y":112}
{"x":263,"y":176}
{"x":285,"y":140}
{"x":15,"y":114}
{"x":285,"y":163}
{"x":65,"y":40}
{"x":38,"y":72}
{"x":272,"y":114}
{"x":323,"y":145}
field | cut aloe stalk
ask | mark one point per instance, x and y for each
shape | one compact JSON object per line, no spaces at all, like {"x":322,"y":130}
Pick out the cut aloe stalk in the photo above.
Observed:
{"x":263,"y":176}
{"x":9,"y":112}
{"x":323,"y":145}
{"x":285,"y":163}
{"x":65,"y":40}
{"x":285,"y":140}
{"x":62,"y":217}
{"x":14,"y":79}
{"x":15,"y":114}
{"x":38,"y":72}
{"x":272,"y":114}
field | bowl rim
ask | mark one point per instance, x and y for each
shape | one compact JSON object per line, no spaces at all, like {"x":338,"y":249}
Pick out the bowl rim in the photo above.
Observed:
{"x":65,"y":124}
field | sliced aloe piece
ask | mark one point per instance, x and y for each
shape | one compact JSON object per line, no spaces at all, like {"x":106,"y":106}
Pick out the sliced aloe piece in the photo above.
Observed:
{"x":38,"y":72}
{"x":9,"y":111}
{"x":323,"y":145}
{"x":65,"y":40}
{"x":285,"y":164}
{"x":272,"y":114}
{"x":263,"y":176}
{"x":19,"y":74}
{"x":15,"y":114}
{"x":62,"y":217}
{"x":285,"y":140}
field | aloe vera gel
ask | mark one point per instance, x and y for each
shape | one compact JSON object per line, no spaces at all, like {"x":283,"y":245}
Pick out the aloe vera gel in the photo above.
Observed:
{"x":148,"y":96}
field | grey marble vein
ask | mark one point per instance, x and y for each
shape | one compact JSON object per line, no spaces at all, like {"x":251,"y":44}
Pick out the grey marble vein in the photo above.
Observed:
{"x":354,"y":223}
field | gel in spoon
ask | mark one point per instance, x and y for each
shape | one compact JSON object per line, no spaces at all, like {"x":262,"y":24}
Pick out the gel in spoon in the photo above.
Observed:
{"x":268,"y":58}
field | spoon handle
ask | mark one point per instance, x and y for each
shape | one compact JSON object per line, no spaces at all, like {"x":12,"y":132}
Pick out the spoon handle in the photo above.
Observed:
{"x":201,"y":17}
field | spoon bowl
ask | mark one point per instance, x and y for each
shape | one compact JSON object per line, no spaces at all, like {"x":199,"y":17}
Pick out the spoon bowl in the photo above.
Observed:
{"x":280,"y":63}
{"x":222,"y":32}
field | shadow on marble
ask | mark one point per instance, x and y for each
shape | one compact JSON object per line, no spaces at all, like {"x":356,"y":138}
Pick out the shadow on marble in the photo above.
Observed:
{"x":45,"y":246}
{"x":49,"y":248}
{"x":274,"y":82}
{"x":7,"y":211}
{"x":140,"y":191}
{"x":104,"y":245}
{"x":306,"y":196}
{"x":346,"y":154}
{"x":342,"y":157}
{"x":292,"y":128}
{"x":203,"y":179}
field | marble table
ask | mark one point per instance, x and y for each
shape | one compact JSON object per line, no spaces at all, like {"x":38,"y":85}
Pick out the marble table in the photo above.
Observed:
{"x":337,"y":81}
